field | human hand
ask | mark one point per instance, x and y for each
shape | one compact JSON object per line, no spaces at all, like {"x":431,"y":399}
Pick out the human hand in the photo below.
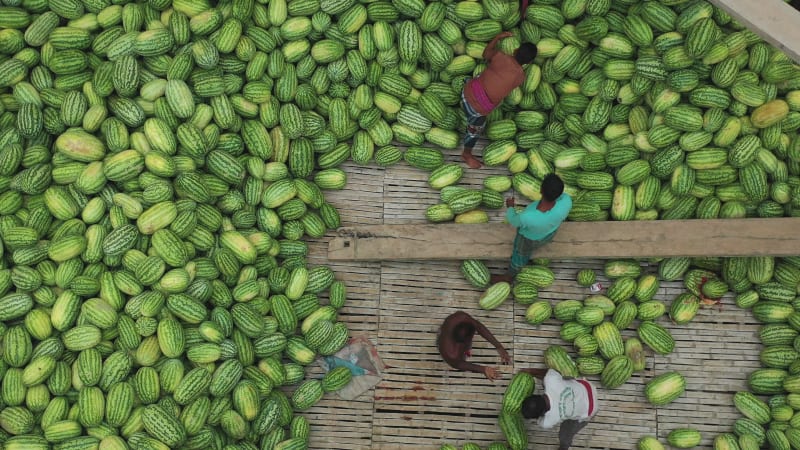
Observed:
{"x":505,"y":358}
{"x":510,"y":202}
{"x":491,"y":373}
{"x":505,"y":34}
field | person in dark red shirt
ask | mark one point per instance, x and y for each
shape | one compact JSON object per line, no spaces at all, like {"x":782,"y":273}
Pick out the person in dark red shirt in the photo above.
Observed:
{"x":455,"y":344}
{"x":483,"y":94}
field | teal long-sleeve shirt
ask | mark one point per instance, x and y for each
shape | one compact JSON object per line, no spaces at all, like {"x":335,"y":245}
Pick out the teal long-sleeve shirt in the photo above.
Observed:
{"x":536,"y":225}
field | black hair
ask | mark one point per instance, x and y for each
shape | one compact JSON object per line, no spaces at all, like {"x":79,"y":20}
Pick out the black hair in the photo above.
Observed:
{"x":526,"y":53}
{"x":552,"y":187}
{"x":463,"y":332}
{"x":534,"y":407}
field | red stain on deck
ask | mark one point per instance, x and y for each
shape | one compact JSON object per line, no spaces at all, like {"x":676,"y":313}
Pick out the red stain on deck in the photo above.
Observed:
{"x":416,"y":387}
{"x":407,"y":398}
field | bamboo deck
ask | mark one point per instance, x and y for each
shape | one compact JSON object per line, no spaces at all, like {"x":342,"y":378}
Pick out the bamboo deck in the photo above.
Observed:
{"x":421,"y":404}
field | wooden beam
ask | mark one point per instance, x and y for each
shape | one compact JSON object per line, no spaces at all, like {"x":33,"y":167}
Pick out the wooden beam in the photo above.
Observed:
{"x":774,"y":20}
{"x":638,"y":239}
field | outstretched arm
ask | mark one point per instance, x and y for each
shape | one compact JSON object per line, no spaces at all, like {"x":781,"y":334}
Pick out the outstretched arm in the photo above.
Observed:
{"x":512,"y":216}
{"x":490,"y":372}
{"x":468,"y":366}
{"x":519,"y":219}
{"x":483,"y":331}
{"x":491,"y":47}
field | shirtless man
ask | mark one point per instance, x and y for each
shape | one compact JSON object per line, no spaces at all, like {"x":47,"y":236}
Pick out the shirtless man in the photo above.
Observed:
{"x":455,"y":344}
{"x":483,"y":94}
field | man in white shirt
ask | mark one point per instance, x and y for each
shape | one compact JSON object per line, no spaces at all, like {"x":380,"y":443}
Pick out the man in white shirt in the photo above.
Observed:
{"x":566,"y":401}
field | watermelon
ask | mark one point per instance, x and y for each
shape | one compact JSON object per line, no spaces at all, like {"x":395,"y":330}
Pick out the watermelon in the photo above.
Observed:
{"x":665,"y":388}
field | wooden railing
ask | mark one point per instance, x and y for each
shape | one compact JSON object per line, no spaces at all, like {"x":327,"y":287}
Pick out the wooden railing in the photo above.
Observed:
{"x":635,"y":239}
{"x":774,"y":20}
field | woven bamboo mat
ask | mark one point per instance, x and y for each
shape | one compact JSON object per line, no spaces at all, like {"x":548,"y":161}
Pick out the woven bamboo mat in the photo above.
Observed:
{"x":421,"y":403}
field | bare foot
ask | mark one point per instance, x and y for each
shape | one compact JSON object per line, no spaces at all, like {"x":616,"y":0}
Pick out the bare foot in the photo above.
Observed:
{"x":498,"y":278}
{"x":471,"y":161}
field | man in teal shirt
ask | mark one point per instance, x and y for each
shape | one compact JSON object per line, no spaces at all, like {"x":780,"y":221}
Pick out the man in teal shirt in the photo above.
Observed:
{"x":536,"y":224}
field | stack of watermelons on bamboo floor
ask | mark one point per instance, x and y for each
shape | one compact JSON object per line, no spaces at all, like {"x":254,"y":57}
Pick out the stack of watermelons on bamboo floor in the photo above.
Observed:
{"x":162,"y":162}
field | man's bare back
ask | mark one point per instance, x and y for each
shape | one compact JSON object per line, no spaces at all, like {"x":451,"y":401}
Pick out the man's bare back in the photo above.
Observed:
{"x":455,"y":343}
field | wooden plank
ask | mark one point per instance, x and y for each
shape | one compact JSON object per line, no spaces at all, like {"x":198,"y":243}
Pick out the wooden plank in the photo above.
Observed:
{"x":641,"y":239}
{"x":775,"y":21}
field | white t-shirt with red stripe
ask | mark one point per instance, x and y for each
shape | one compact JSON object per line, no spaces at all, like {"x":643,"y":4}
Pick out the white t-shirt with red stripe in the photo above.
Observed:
{"x":569,"y":400}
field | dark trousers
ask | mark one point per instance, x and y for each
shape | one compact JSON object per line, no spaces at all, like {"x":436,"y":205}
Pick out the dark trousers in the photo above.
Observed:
{"x":523,"y":251}
{"x":567,"y":432}
{"x":475,"y":123}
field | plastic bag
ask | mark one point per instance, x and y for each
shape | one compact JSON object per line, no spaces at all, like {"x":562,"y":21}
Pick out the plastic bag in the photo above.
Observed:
{"x":361,"y":357}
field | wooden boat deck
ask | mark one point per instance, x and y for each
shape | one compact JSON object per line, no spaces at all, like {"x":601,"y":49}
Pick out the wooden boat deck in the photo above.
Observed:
{"x":421,"y":404}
